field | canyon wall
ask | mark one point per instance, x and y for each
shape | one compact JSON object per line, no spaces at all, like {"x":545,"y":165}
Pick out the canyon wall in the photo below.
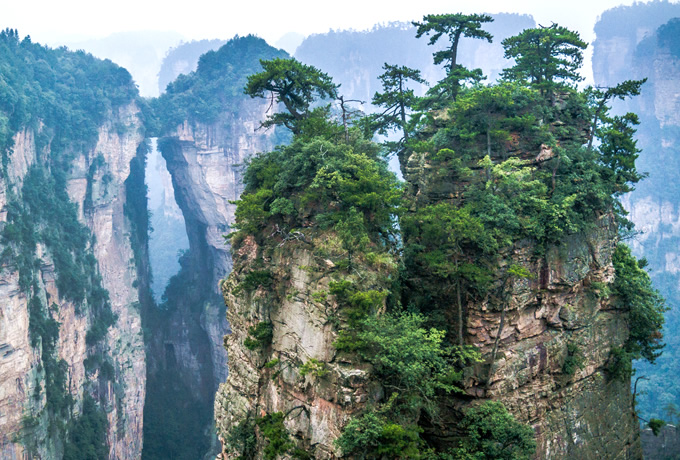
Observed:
{"x":635,"y":42}
{"x":101,"y":198}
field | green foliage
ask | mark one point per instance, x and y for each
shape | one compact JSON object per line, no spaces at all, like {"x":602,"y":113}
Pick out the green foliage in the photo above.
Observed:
{"x":216,"y":86}
{"x":354,"y":303}
{"x":296,"y":86}
{"x":492,"y":433}
{"x":453,"y":27}
{"x":574,"y":360}
{"x":619,"y":365}
{"x":634,"y":292}
{"x":53,"y":87}
{"x":253,"y":280}
{"x":656,"y":424}
{"x":412,"y":361}
{"x":87,"y":434}
{"x":372,"y":436}
{"x":314,"y":367}
{"x":489,"y":114}
{"x":545,"y":56}
{"x":242,"y":440}
{"x":397,"y":100}
{"x":273,"y":429}
{"x":347,"y":186}
{"x":259,"y":336}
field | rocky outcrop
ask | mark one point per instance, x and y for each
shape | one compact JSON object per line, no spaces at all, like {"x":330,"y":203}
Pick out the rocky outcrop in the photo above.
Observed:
{"x":526,"y":333}
{"x":665,"y":445}
{"x":269,"y":379}
{"x":559,"y":307}
{"x":100,"y":197}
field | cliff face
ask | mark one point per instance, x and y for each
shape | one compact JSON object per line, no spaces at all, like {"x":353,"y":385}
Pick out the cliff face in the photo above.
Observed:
{"x":205,"y":162}
{"x":270,"y":379}
{"x":526,"y":340}
{"x":536,"y":306}
{"x":101,"y":199}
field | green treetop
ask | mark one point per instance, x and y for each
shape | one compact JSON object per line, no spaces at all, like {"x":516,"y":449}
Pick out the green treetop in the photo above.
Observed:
{"x":293,"y":84}
{"x":454,"y":26}
{"x":545,"y":55}
{"x":396,"y":98}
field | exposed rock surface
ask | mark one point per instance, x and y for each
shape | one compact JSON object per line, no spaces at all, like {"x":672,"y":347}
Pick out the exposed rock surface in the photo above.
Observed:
{"x":665,"y":446}
{"x":559,"y":305}
{"x":20,"y":364}
{"x":206,"y":164}
{"x":266,"y":381}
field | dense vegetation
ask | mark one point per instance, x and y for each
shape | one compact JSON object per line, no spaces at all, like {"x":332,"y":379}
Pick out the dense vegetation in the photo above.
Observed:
{"x":216,"y":87}
{"x":183,"y":59}
{"x":325,"y":183}
{"x":61,"y":98}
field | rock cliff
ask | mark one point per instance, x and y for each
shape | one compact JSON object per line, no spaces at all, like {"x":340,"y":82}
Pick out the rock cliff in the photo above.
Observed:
{"x":525,"y":342}
{"x":206,"y":163}
{"x":537,"y":307}
{"x":99,"y":192}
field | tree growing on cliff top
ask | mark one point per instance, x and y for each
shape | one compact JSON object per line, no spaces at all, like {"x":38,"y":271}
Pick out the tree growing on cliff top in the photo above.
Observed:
{"x":544,"y":55}
{"x":454,"y":26}
{"x":293,"y":84}
{"x":396,"y":98}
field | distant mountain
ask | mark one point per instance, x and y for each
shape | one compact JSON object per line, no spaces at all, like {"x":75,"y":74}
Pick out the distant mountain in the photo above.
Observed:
{"x":140,"y":52}
{"x":355,"y":58}
{"x":634,"y":42}
{"x":183,"y":59}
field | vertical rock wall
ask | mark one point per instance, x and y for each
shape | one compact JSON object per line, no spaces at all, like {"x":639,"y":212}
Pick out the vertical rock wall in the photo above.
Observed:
{"x":20,"y":364}
{"x":206,"y":164}
{"x":532,"y":324}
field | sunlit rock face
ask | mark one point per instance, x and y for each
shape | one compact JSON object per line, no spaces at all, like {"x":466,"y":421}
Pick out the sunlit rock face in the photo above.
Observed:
{"x":20,"y":364}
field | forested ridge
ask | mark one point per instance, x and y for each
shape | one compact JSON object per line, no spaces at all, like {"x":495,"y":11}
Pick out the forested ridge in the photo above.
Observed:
{"x":60,"y":98}
{"x":528,"y":160}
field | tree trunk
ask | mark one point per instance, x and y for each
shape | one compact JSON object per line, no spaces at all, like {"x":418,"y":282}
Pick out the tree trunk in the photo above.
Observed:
{"x":460,"y":308}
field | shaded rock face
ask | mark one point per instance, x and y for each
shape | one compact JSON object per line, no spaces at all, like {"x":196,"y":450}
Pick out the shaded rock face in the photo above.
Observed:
{"x":531,"y":329}
{"x":651,"y":52}
{"x":205,"y":163}
{"x":102,"y":210}
{"x":665,"y":446}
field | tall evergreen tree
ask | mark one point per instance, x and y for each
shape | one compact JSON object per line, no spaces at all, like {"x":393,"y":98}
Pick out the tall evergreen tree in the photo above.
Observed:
{"x":454,"y":27}
{"x":397,"y":99}
{"x":545,"y":56}
{"x":293,"y":84}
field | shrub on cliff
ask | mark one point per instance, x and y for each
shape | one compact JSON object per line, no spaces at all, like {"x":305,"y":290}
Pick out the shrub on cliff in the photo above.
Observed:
{"x":634,"y":292}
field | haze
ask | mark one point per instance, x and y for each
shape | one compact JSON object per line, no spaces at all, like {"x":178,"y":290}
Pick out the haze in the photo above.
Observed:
{"x":71,"y":22}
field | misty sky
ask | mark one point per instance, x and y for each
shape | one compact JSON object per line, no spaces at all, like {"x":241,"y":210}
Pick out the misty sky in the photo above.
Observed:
{"x":51,"y":21}
{"x":74,"y":22}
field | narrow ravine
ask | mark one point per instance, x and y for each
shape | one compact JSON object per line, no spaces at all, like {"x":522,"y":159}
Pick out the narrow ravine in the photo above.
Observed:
{"x":168,"y":237}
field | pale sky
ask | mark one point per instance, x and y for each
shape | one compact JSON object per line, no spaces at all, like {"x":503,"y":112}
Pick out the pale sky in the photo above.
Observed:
{"x":58,"y":22}
{"x":49,"y":21}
